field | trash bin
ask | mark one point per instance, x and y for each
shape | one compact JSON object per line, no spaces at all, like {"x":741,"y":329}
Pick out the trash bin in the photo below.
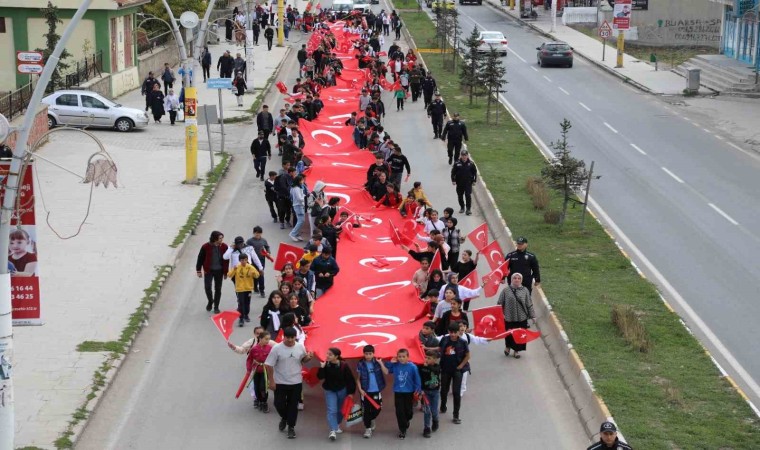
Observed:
{"x":693,"y":80}
{"x":212,"y":35}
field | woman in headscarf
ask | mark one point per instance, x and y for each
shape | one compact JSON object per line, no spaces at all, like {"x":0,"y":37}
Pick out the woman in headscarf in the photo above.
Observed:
{"x":157,"y":103}
{"x":518,"y":308}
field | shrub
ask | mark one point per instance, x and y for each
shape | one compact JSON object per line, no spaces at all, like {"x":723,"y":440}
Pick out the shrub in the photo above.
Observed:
{"x":624,"y":317}
{"x":552,"y":216}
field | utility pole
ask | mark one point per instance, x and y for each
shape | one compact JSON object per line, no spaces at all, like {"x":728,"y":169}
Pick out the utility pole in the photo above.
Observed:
{"x":248,"y":47}
{"x":585,"y":200}
{"x":554,"y":16}
{"x":281,"y":19}
{"x":7,"y":410}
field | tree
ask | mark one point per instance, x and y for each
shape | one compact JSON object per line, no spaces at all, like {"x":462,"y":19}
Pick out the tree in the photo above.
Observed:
{"x":156,"y":8}
{"x":564,"y":173}
{"x":492,"y":77}
{"x":469,"y":77}
{"x":50,"y":13}
{"x":454,"y":30}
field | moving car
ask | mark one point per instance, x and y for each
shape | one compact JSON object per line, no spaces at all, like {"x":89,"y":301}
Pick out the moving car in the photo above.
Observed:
{"x":343,"y":7}
{"x":90,"y":109}
{"x":493,"y":39}
{"x":555,"y":53}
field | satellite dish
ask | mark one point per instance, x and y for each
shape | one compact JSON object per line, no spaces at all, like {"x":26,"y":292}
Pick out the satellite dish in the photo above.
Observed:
{"x":189,"y":19}
{"x":5,"y":128}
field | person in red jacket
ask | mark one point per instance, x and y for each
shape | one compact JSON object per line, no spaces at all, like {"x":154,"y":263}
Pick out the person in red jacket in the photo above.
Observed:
{"x":212,"y":266}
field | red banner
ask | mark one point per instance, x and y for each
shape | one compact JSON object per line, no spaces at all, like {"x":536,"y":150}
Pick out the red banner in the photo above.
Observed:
{"x":470,"y":281}
{"x":493,"y":254}
{"x":489,"y":322}
{"x":523,"y":336}
{"x":25,"y":281}
{"x":479,"y":236}
{"x":492,"y":281}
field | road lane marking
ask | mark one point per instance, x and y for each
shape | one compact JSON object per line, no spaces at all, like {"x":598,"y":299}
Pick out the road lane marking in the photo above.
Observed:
{"x":686,"y":118}
{"x":695,"y":124}
{"x":735,"y":146}
{"x":534,"y":68}
{"x":707,"y":131}
{"x":672,"y":175}
{"x":610,"y":127}
{"x":725,"y":216}
{"x":638,"y":149}
{"x":518,"y":56}
{"x":720,"y":138}
{"x":566,"y":93}
{"x":585,"y":107}
{"x":547,"y":79}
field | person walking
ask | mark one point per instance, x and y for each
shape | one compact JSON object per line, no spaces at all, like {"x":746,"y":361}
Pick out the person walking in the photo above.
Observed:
{"x":608,"y":439}
{"x":157,"y":103}
{"x":171,"y":104}
{"x":239,"y":66}
{"x":245,"y":276}
{"x":436,"y":111}
{"x":261,"y":151}
{"x":415,"y":82}
{"x":406,"y":382}
{"x":399,"y":95}
{"x":256,"y":28}
{"x":371,"y":378}
{"x":225,"y":64}
{"x":265,"y":121}
{"x":270,"y":194}
{"x":240,"y":86}
{"x":282,"y":185}
{"x":430,"y":376}
{"x":301,"y":56}
{"x":428,"y":88}
{"x":325,"y":268}
{"x":284,"y":365}
{"x":524,"y":262}
{"x":261,"y":249}
{"x":338,"y":383}
{"x":455,"y":357}
{"x":455,"y":130}
{"x":167,"y":76}
{"x":147,"y":88}
{"x":298,"y":201}
{"x":464,"y":174}
{"x":211,"y":266}
{"x":206,"y":64}
{"x":518,"y":308}
{"x":269,"y":36}
{"x":397,"y":163}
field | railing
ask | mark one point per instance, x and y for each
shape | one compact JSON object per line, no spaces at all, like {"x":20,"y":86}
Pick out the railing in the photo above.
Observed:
{"x":83,"y":70}
{"x":147,"y":42}
{"x":15,"y":102}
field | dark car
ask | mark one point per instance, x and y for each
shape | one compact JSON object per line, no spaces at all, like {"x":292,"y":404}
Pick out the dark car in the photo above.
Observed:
{"x":555,"y":53}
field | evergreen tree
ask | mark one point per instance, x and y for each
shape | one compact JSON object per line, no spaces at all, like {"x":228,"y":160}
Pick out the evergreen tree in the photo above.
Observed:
{"x":50,"y":13}
{"x":564,"y":173}
{"x":492,"y":77}
{"x":469,"y":77}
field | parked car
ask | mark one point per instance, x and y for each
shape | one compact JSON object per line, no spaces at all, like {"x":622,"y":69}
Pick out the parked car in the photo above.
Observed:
{"x":90,"y":109}
{"x":493,"y":39}
{"x":555,"y":53}
{"x":437,"y":4}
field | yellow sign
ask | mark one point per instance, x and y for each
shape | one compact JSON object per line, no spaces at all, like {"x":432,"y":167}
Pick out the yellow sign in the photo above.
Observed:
{"x":191,"y":136}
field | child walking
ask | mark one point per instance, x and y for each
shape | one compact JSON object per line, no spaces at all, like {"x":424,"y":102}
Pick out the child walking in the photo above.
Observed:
{"x":258,"y":349}
{"x":406,"y":382}
{"x":370,"y":373}
{"x":430,"y":375}
{"x":244,"y":275}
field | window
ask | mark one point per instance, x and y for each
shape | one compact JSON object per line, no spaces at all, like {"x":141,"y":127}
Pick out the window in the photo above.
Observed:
{"x":92,"y":102}
{"x":67,"y":100}
{"x":2,"y":24}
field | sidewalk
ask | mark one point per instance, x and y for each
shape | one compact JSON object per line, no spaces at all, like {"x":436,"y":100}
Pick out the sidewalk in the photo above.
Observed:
{"x":634,"y":71}
{"x":92,"y":283}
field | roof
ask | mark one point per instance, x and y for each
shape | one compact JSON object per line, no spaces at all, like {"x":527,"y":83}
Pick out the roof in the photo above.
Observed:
{"x":130,"y":3}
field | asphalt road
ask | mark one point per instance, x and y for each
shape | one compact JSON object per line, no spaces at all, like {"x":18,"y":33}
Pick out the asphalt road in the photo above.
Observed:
{"x":176,"y":388}
{"x":684,"y":195}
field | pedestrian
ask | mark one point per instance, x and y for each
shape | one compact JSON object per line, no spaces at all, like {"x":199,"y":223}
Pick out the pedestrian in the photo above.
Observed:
{"x":338,"y":383}
{"x":239,"y":248}
{"x":428,"y":339}
{"x":525,"y":262}
{"x":406,"y":382}
{"x":455,"y":130}
{"x":453,"y":315}
{"x":415,"y":83}
{"x":245,"y":276}
{"x":261,"y":151}
{"x":270,"y":313}
{"x":464,"y":267}
{"x":147,"y":88}
{"x":171,"y":104}
{"x":455,"y":357}
{"x":470,"y":339}
{"x":430,"y":303}
{"x":282,"y":185}
{"x":608,"y":439}
{"x":261,"y":249}
{"x":269,"y":36}
{"x":206,"y":64}
{"x":225,"y":64}
{"x":167,"y":76}
{"x":397,"y":25}
{"x":451,"y":236}
{"x":464,"y":174}
{"x":325,"y":269}
{"x":430,"y":378}
{"x":284,"y":365}
{"x":370,"y":371}
{"x":270,"y":195}
{"x":298,"y":202}
{"x":265,"y":121}
{"x":239,"y":66}
{"x":391,"y":199}
{"x":211,"y":266}
{"x":157,"y":103}
{"x":436,"y":111}
{"x":420,"y":277}
{"x":256,"y":28}
{"x":240,"y":87}
{"x":518,"y":308}
{"x":429,"y":86}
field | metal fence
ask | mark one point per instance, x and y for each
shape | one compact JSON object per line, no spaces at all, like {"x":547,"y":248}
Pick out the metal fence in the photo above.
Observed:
{"x":84,"y":69}
{"x":147,"y":41}
{"x":14,"y":103}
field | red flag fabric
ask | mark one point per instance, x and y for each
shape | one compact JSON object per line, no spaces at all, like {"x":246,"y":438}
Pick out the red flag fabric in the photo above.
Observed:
{"x":225,"y":322}
{"x":523,"y":336}
{"x":348,"y":231}
{"x":348,"y":403}
{"x":479,"y":236}
{"x":493,"y":254}
{"x":242,"y":384}
{"x":287,"y":253}
{"x":372,"y":401}
{"x":492,"y":281}
{"x":310,"y":376}
{"x":470,"y":281}
{"x":489,"y":322}
{"x":281,"y":87}
{"x":436,"y":263}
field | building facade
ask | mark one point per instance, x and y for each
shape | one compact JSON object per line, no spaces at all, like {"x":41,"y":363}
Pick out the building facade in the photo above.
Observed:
{"x":741,"y":30}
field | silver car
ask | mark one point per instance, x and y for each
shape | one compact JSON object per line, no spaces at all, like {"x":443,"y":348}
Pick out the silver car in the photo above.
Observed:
{"x":493,"y":40}
{"x":90,"y":109}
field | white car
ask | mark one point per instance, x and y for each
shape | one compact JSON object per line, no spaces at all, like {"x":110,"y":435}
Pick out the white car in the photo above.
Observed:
{"x":493,"y":39}
{"x":90,"y":109}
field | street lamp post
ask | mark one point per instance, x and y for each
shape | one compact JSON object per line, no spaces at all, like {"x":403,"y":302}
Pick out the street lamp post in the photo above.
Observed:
{"x":248,"y":47}
{"x":7,"y":412}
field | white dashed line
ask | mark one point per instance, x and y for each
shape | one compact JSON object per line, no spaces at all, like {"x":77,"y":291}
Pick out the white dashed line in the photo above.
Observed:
{"x":686,"y":118}
{"x":638,"y":149}
{"x":718,"y":137}
{"x":695,"y":124}
{"x":707,"y":131}
{"x":585,"y":107}
{"x":518,"y":56}
{"x":534,"y":68}
{"x":735,"y":146}
{"x":725,"y":216}
{"x":672,"y":175}
{"x":547,"y":79}
{"x":566,"y":93}
{"x":610,"y":127}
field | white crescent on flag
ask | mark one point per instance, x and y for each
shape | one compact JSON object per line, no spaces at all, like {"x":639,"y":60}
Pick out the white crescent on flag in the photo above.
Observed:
{"x":383,"y":289}
{"x":338,"y":139}
{"x":389,"y":320}
{"x":359,"y":344}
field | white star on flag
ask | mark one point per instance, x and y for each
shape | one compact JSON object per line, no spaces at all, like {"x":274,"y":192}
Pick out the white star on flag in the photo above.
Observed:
{"x":359,"y":344}
{"x":341,"y":101}
{"x":325,"y":145}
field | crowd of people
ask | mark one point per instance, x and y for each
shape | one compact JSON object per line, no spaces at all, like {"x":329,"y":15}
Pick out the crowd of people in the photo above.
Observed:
{"x":445,"y":333}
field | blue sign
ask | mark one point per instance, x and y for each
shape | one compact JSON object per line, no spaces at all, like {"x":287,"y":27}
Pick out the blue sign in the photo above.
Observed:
{"x":219,"y":83}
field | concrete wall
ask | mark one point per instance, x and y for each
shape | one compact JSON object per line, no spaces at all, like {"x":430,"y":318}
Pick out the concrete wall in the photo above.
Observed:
{"x":84,"y":30}
{"x":124,"y":81}
{"x":155,"y":61}
{"x":7,"y":54}
{"x":678,"y":22}
{"x":101,"y":85}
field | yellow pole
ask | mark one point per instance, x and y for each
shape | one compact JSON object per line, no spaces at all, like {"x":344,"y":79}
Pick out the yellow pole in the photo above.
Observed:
{"x":191,"y":136}
{"x":281,"y":20}
{"x":620,"y":49}
{"x":511,"y":5}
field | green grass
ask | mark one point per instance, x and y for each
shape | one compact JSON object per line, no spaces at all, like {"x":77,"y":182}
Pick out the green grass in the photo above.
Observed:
{"x":671,"y":397}
{"x":407,"y":4}
{"x":100,"y":346}
{"x":424,"y":31}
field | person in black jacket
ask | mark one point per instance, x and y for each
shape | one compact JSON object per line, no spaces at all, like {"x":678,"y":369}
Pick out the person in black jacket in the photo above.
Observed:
{"x":398,"y":162}
{"x":524,"y":262}
{"x":437,"y":111}
{"x":147,"y":88}
{"x":339,"y":383}
{"x":206,"y":64}
{"x":265,"y":121}
{"x":608,"y":439}
{"x":463,"y":176}
{"x":225,"y":64}
{"x":428,"y":88}
{"x":261,"y":151}
{"x":301,"y":56}
{"x":270,"y":195}
{"x":379,"y":187}
{"x":269,"y":36}
{"x":282,"y":185}
{"x":455,"y":130}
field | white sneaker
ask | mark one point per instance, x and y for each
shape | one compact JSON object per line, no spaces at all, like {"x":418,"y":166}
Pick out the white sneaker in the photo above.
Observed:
{"x":339,"y":431}
{"x":368,"y":433}
{"x":372,"y":425}
{"x":300,"y":406}
{"x":332,"y":436}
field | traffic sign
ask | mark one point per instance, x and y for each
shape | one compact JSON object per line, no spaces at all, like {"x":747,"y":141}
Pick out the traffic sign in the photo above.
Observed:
{"x":29,"y":62}
{"x":219,"y":83}
{"x":605,"y":30}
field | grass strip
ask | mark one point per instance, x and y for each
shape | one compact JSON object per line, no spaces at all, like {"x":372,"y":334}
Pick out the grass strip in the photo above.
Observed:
{"x":671,"y":397}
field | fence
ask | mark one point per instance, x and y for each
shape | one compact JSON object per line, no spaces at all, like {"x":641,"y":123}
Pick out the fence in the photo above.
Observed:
{"x":15,"y":102}
{"x":87,"y":68}
{"x":146,"y":43}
